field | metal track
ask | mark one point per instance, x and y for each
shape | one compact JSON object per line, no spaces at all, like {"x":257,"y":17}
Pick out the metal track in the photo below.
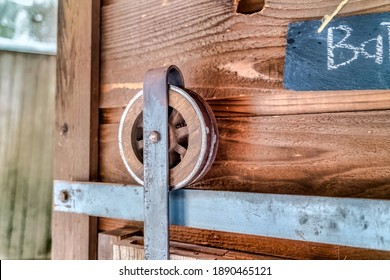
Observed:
{"x":361,"y":223}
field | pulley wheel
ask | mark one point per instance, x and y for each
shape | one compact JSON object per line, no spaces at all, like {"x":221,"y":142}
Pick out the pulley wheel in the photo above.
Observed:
{"x":193,"y":137}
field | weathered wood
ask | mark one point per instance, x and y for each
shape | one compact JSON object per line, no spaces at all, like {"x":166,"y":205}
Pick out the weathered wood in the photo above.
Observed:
{"x":136,"y":252}
{"x":107,"y":239}
{"x":265,"y":246}
{"x":133,"y":249}
{"x":343,"y":154}
{"x":235,"y":61}
{"x":274,"y":103}
{"x":76,"y":152}
{"x":234,"y":58}
{"x":26,"y":150}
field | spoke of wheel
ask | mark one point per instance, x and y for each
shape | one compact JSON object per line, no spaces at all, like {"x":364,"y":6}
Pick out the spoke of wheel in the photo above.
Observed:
{"x":174,"y":118}
{"x":181,"y":150}
{"x":181,"y":132}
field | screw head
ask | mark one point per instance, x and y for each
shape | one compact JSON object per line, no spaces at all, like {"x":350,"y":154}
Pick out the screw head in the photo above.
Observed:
{"x":64,"y":196}
{"x":154,"y":137}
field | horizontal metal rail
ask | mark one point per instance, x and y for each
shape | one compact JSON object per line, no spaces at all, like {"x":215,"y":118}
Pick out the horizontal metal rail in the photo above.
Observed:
{"x":361,"y":223}
{"x":27,"y":47}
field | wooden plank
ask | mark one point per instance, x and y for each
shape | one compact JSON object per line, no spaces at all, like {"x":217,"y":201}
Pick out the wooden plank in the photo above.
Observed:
{"x":45,"y":204}
{"x":107,"y":239}
{"x":273,"y":246}
{"x":76,"y":151}
{"x":274,"y":103}
{"x":259,"y":245}
{"x":133,"y":249}
{"x":341,"y":154}
{"x":23,"y":166}
{"x":26,"y":142}
{"x":36,"y":243}
{"x":10,"y":151}
{"x":233,"y":58}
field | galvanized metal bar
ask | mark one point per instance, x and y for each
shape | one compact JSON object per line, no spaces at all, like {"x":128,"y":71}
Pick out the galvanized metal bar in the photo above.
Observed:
{"x":156,"y":161}
{"x":361,"y":223}
{"x":30,"y":47}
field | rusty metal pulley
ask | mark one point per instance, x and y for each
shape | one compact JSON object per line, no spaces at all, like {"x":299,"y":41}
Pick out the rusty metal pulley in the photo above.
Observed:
{"x":193,"y":137}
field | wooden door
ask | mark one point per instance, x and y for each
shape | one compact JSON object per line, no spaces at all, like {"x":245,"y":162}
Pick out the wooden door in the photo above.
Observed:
{"x":272,"y":140}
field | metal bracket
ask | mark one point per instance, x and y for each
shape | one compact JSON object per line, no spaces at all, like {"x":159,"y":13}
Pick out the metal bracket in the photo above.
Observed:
{"x":156,"y":161}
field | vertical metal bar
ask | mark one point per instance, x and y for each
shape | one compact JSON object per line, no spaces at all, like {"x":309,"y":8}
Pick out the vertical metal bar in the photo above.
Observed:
{"x":156,"y":161}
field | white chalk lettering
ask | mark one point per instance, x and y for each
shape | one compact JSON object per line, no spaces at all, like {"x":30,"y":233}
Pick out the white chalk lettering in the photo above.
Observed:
{"x":360,"y":50}
{"x":341,"y":45}
{"x":378,"y":56}
{"x":387,"y":24}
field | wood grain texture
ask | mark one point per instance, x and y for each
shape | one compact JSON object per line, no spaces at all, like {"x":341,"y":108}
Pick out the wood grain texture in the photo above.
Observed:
{"x":107,"y":239}
{"x":236,"y":62}
{"x":273,"y":103}
{"x":133,"y":249}
{"x":272,"y":140}
{"x":76,"y":151}
{"x":340,"y":154}
{"x":258,"y":245}
{"x":26,"y":150}
{"x":234,"y":58}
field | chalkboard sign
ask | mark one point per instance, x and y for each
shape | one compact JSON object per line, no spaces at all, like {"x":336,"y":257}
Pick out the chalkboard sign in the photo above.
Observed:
{"x":350,"y":53}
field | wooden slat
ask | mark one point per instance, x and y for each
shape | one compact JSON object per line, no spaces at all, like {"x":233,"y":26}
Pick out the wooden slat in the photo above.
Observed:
{"x":26,"y":135}
{"x":258,"y":245}
{"x":342,"y":154}
{"x":233,"y":60}
{"x":10,"y":118}
{"x":76,"y":151}
{"x":38,"y":225}
{"x":26,"y":150}
{"x":133,"y":249}
{"x":107,"y":239}
{"x":274,"y":103}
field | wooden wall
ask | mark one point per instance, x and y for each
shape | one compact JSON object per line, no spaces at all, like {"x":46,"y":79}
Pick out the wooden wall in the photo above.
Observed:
{"x":272,"y":140}
{"x":27,"y":89}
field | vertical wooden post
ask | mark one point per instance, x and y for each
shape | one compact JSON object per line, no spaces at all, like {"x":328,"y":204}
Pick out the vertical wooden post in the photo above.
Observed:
{"x":76,"y":152}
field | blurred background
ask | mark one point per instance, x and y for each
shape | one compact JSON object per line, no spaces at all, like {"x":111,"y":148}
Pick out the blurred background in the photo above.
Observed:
{"x":27,"y":91}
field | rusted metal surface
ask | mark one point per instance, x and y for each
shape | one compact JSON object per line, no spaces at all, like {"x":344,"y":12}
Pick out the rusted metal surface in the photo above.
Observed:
{"x":361,"y":223}
{"x":156,"y":160}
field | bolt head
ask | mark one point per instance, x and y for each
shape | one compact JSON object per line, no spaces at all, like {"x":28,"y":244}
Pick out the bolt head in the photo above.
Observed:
{"x":64,"y":196}
{"x":154,"y":137}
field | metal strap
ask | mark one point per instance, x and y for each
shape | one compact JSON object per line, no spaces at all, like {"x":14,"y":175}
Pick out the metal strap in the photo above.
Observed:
{"x":156,"y":161}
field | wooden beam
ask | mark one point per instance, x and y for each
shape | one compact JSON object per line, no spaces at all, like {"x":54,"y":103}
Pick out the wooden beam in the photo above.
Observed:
{"x":76,"y":152}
